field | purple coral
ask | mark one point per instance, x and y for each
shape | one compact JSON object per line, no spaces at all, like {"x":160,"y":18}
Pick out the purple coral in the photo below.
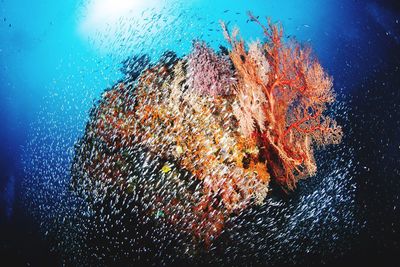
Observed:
{"x":209,"y":73}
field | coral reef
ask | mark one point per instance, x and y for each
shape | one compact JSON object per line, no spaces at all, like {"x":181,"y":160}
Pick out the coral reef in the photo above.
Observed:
{"x":197,"y":139}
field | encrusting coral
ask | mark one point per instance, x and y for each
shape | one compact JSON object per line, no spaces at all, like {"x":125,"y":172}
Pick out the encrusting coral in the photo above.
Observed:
{"x":216,"y":128}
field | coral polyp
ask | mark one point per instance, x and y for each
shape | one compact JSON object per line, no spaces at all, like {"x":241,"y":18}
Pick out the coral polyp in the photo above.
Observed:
{"x":196,"y":140}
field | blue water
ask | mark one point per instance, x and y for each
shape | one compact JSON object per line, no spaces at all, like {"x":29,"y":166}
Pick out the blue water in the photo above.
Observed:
{"x":56,"y":57}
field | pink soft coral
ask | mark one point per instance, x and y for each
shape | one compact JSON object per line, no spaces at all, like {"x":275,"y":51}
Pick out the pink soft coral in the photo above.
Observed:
{"x":209,"y":73}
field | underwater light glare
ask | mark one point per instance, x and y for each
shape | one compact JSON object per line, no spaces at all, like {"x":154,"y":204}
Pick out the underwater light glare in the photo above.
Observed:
{"x":114,"y":18}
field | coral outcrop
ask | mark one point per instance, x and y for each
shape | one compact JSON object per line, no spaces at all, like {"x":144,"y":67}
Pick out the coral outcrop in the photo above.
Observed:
{"x":198,"y":139}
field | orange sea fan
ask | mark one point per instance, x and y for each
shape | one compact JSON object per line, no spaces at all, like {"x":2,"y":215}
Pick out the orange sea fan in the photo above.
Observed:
{"x":296,"y":90}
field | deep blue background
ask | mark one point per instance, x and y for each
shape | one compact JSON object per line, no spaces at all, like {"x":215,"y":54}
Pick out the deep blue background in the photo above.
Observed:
{"x":42,"y":53}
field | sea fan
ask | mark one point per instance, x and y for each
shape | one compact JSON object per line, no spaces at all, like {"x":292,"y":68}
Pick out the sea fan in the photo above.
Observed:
{"x":297,"y":91}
